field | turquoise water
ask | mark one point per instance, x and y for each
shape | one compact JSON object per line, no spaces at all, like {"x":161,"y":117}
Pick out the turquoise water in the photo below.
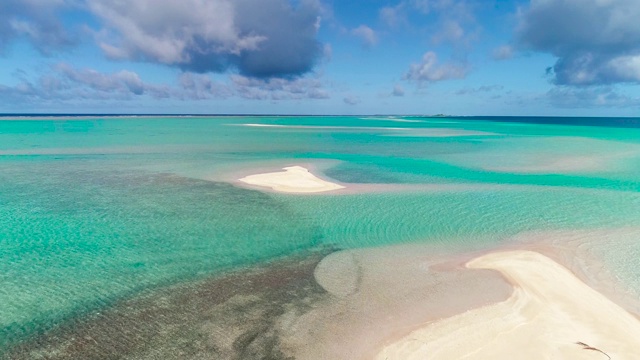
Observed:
{"x":93,"y":210}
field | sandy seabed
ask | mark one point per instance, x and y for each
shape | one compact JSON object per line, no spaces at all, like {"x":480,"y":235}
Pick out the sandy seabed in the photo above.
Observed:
{"x":492,"y":305}
{"x":412,"y":301}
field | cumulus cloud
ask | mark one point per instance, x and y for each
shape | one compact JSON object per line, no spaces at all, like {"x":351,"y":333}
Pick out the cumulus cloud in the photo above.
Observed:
{"x":258,"y":38}
{"x":351,"y":100}
{"x":481,"y":89}
{"x":278,"y":88}
{"x":397,"y":91}
{"x":123,"y":81}
{"x":450,"y":21}
{"x":366,"y":34}
{"x":450,"y":31}
{"x":597,"y":42}
{"x":429,"y":70}
{"x":502,"y":52}
{"x":201,"y":87}
{"x":586,"y":97}
{"x":393,"y":16}
{"x":34,"y":20}
{"x":67,"y":83}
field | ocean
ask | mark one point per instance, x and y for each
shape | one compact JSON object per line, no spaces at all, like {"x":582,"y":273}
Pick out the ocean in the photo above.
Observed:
{"x":98,"y":211}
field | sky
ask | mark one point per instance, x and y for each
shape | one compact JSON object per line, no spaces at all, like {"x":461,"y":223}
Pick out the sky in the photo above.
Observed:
{"x":402,"y":57}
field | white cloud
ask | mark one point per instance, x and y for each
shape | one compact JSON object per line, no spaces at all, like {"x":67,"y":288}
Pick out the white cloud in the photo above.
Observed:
{"x":393,"y":15}
{"x":351,"y":100}
{"x":278,"y":88}
{"x":67,"y":83}
{"x":589,"y":97}
{"x":367,"y":35}
{"x":123,"y":81}
{"x":450,"y":31}
{"x":597,"y":42}
{"x":398,"y":91}
{"x":37,"y":21}
{"x":481,"y":89}
{"x":450,"y":21}
{"x":502,"y":52}
{"x":429,"y":70}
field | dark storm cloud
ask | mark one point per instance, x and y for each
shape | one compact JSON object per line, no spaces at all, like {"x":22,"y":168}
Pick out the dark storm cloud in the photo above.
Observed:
{"x":597,"y":42}
{"x":36,"y":21}
{"x":258,"y":38}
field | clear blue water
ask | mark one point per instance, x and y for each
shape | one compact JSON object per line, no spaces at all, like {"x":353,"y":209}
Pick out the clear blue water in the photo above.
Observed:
{"x":93,"y":210}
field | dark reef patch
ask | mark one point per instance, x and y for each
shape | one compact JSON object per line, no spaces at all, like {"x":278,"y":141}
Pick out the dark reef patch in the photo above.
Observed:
{"x":236,"y":316}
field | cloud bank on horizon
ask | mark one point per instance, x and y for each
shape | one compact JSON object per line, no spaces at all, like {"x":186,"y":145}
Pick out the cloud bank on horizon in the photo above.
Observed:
{"x":317,"y":56}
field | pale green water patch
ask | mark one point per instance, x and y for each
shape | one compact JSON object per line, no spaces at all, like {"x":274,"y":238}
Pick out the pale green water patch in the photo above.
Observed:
{"x":374,"y":169}
{"x":472,"y":217}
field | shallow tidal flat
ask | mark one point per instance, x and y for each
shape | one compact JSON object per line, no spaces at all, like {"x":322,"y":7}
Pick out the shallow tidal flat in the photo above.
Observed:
{"x":316,"y":238}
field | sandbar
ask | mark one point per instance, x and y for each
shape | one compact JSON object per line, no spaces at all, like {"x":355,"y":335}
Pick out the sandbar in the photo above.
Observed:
{"x":441,"y":133}
{"x":551,"y":314}
{"x":322,"y":127}
{"x":381,"y":293}
{"x":392,"y":131}
{"x":294,"y":179}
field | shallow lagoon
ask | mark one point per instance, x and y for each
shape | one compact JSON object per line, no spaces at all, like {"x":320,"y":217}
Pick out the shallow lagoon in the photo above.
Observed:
{"x":100,"y":211}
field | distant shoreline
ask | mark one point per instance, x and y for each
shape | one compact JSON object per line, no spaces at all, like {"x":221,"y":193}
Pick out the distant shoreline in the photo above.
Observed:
{"x":614,"y":122}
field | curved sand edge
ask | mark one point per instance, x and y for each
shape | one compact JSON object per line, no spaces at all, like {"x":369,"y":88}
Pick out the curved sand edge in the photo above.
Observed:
{"x":551,"y":314}
{"x":294,"y":179}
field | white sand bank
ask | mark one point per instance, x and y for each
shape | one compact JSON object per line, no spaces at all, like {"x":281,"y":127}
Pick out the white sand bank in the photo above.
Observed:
{"x":550,"y":315}
{"x":441,"y":133}
{"x":294,"y":179}
{"x":392,"y":131}
{"x":377,"y":294}
{"x":322,"y":127}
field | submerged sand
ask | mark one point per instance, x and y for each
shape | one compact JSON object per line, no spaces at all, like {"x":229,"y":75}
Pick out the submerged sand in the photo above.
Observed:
{"x":377,"y":294}
{"x":396,"y":302}
{"x":551,"y":314}
{"x":294,"y":179}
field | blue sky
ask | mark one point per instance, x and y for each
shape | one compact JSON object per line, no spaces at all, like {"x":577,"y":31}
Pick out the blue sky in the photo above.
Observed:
{"x":460,"y":57}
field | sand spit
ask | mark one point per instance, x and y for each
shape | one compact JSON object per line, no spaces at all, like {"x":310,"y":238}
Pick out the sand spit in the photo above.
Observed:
{"x":294,"y":179}
{"x":550,"y":315}
{"x":383,"y":293}
{"x":322,"y":127}
{"x":441,"y":133}
{"x":393,"y":119}
{"x":392,"y":131}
